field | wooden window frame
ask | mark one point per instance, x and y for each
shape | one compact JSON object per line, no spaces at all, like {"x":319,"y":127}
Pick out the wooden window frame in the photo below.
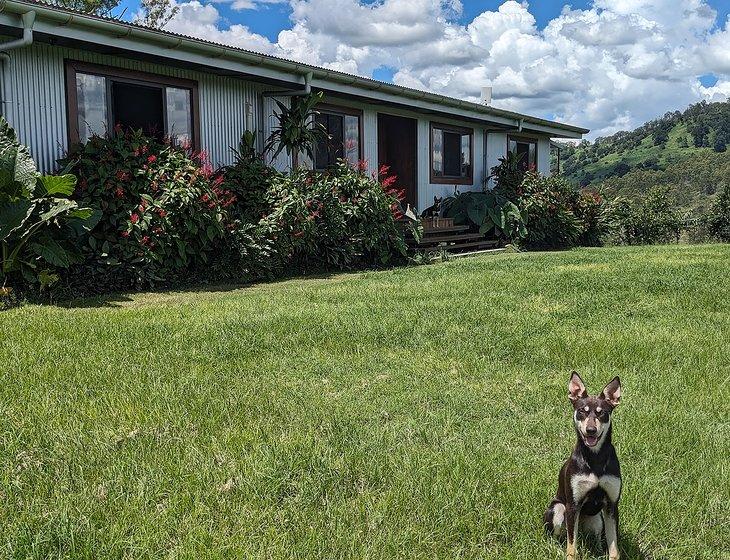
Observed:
{"x":73,"y":67}
{"x":525,"y":140}
{"x":436,"y":180}
{"x":328,"y":108}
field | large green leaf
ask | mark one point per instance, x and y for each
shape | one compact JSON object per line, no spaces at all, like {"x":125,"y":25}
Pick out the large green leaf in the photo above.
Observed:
{"x":13,"y":215}
{"x":57,"y":184}
{"x":52,"y":252}
{"x":16,"y":160}
{"x":59,"y":206}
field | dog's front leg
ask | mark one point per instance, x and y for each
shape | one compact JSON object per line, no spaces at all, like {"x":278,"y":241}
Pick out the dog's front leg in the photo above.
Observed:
{"x":610,"y":522}
{"x":571,"y":528}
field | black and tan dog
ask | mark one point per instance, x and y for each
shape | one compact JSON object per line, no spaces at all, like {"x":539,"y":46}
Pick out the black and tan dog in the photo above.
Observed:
{"x":589,"y":486}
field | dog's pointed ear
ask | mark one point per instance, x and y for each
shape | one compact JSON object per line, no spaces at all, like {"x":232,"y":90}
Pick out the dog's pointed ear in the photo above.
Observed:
{"x":612,"y":392}
{"x":576,"y":388}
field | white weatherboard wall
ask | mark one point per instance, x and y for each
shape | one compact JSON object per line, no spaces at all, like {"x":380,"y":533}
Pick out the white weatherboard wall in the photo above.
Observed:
{"x":35,"y":90}
{"x":496,"y":148}
{"x":543,"y":155}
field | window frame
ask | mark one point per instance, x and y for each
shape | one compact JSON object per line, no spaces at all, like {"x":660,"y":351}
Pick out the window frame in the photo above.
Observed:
{"x":441,"y":180}
{"x":343,"y":111}
{"x":525,"y":140}
{"x":134,"y":77}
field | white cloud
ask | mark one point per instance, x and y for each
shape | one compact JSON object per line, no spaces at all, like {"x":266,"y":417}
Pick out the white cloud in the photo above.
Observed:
{"x":609,"y":67}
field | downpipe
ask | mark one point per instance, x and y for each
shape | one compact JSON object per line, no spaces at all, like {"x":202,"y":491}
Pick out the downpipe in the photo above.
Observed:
{"x":28,"y":19}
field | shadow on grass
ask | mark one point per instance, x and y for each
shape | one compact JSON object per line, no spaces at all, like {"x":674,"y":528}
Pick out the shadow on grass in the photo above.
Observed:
{"x":627,"y":544}
{"x":118,"y":299}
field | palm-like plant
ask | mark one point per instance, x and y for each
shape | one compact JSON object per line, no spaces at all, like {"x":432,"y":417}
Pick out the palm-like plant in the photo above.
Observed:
{"x":297,"y":130}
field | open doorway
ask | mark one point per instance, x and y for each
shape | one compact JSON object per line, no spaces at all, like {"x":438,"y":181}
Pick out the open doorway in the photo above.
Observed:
{"x":397,"y":149}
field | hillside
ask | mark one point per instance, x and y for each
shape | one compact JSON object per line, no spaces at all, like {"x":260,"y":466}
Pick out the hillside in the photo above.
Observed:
{"x":688,"y":151}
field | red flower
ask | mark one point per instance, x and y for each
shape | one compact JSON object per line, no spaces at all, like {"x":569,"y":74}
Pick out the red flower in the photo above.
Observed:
{"x":299,"y":234}
{"x":124,"y":234}
{"x":157,"y":230}
{"x":205,"y":197}
{"x":162,"y":213}
{"x":134,"y":218}
{"x":119,"y":193}
{"x":145,"y":240}
{"x":362,"y":165}
{"x":152,"y":159}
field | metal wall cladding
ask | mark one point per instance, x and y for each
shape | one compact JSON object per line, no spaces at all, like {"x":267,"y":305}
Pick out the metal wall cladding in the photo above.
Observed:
{"x":35,"y":101}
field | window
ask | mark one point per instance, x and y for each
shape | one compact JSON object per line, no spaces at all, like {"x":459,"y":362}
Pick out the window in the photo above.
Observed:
{"x":100,"y":98}
{"x":343,"y":127}
{"x":528,"y":149}
{"x":451,"y":154}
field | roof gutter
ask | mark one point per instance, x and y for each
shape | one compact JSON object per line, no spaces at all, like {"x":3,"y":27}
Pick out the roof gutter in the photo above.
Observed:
{"x":28,"y":19}
{"x":175,"y":42}
{"x":27,"y":38}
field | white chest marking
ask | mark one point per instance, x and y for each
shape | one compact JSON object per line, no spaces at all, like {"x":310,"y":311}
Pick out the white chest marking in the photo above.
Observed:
{"x":582,"y":484}
{"x":611,"y":485}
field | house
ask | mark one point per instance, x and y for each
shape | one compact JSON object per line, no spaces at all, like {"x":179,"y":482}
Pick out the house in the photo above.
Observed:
{"x":67,"y":75}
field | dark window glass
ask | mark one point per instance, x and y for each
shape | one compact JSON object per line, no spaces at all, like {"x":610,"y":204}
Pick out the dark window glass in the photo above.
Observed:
{"x":450,"y":154}
{"x":139,"y":107}
{"x":343,"y":141}
{"x":528,"y":150}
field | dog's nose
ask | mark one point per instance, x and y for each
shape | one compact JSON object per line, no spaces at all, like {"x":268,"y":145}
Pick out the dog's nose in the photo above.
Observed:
{"x":591,"y":430}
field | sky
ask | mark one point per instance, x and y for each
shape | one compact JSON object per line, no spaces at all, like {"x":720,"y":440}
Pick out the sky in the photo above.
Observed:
{"x":607,"y":65}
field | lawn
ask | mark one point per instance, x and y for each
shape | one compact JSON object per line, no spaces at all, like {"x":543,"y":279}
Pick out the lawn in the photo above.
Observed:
{"x":412,"y":413}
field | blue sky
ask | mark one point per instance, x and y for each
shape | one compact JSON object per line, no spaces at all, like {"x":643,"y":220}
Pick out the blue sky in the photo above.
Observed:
{"x":604,"y":64}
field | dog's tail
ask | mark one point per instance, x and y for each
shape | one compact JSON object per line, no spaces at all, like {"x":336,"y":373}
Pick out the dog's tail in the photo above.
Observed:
{"x":554,"y":518}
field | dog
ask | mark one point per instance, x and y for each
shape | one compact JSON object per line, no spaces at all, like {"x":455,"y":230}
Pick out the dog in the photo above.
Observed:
{"x":435,"y":211}
{"x":589,"y":484}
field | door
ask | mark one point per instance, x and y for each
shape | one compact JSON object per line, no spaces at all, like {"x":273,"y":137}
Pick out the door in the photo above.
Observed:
{"x":397,"y":150}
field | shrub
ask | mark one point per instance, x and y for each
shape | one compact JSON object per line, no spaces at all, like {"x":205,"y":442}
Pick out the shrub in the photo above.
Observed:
{"x":718,"y":221}
{"x":549,"y":204}
{"x":649,"y":220}
{"x":38,"y":223}
{"x":250,"y":179}
{"x":487,"y":212}
{"x":508,"y":176}
{"x":590,"y":209}
{"x":339,"y":219}
{"x":160,"y":212}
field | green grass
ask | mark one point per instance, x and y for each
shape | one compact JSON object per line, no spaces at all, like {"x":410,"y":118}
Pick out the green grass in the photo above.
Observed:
{"x":413,"y":413}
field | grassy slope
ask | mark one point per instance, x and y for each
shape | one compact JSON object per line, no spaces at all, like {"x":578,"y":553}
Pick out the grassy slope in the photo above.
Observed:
{"x":416,"y":413}
{"x":666,"y":155}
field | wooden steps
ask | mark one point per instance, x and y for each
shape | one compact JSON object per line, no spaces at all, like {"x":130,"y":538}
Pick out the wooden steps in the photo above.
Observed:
{"x":450,"y":238}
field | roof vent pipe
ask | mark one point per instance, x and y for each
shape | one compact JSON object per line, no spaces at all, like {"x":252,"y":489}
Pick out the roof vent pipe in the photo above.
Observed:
{"x":486,"y":95}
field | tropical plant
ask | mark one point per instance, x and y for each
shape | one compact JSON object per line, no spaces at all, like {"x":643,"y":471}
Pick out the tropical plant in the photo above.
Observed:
{"x":162,"y":211}
{"x":487,"y":211}
{"x":508,"y":176}
{"x":37,"y":220}
{"x":339,"y":219}
{"x":249,"y":178}
{"x":297,"y":130}
{"x":549,"y":204}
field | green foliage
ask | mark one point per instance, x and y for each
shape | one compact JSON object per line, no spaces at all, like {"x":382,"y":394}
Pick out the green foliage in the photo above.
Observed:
{"x":38,"y":223}
{"x":98,"y":7}
{"x":718,"y":221}
{"x":161,"y":212}
{"x":650,"y":220}
{"x":487,"y":211}
{"x":339,"y":219}
{"x":508,"y":176}
{"x":629,"y":164}
{"x":297,"y":130}
{"x":250,"y":179}
{"x":592,"y":213}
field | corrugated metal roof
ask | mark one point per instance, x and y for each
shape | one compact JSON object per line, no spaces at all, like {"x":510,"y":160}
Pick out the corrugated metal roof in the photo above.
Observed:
{"x":275,"y":61}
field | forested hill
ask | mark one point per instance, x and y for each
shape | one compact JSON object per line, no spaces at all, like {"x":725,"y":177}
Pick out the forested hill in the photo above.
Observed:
{"x":687,"y":151}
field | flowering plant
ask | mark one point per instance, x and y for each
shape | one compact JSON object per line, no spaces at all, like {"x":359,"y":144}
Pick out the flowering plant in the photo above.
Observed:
{"x":161,"y":210}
